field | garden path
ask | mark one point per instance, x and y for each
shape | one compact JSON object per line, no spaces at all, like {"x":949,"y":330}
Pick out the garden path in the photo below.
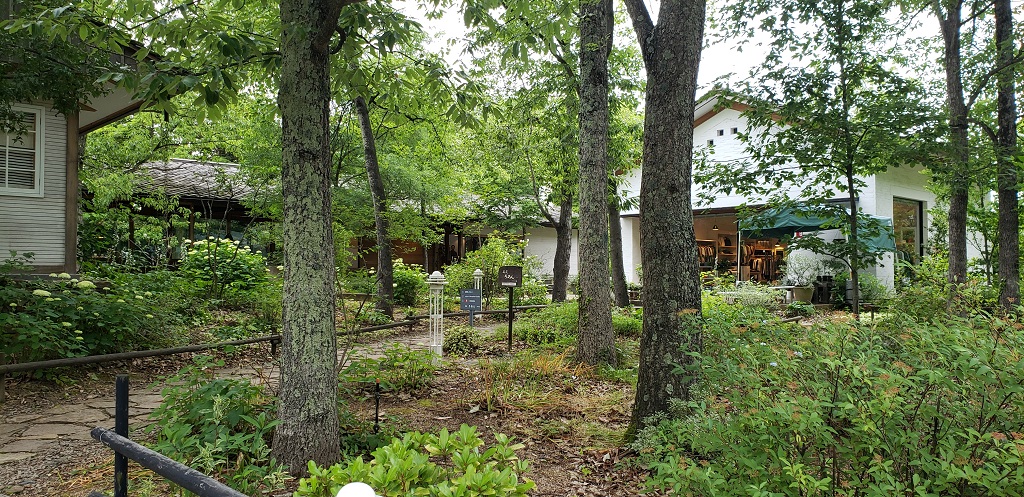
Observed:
{"x":36,"y":447}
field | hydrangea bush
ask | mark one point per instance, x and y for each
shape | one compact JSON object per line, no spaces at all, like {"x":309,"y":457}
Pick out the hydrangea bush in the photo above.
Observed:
{"x":220,"y":264}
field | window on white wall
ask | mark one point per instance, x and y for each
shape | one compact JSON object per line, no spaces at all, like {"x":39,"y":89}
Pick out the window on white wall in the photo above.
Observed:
{"x":908,"y":229}
{"x":21,"y":155}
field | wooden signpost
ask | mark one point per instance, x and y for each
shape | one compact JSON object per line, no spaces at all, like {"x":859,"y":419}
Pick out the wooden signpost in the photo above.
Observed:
{"x":510,"y":277}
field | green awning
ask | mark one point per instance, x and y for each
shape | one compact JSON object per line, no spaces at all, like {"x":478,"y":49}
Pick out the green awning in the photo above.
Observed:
{"x":780,"y":222}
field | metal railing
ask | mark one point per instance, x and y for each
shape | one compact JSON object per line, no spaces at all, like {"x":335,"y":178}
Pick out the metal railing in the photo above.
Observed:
{"x":125,"y":449}
{"x":274,"y":340}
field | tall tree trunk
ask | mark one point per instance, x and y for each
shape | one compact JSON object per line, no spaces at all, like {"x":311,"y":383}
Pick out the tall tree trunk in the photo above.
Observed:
{"x":596,"y":337}
{"x":385,"y":267}
{"x":563,"y":251}
{"x":1006,"y":148}
{"x":957,"y":174}
{"x":619,"y":289}
{"x":308,"y":401}
{"x":672,"y":333}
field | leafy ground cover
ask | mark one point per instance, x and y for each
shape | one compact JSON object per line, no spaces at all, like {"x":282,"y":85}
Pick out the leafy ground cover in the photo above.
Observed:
{"x":905,"y":403}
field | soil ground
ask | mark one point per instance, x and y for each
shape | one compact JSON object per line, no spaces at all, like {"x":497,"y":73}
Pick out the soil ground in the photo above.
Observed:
{"x":570,"y":420}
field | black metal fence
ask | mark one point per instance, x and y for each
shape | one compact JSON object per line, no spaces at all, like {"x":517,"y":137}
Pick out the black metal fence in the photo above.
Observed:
{"x":125,"y":449}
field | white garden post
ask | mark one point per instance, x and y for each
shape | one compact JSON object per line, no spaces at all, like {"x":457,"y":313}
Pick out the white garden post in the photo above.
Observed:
{"x":478,"y":279}
{"x":436,"y":283}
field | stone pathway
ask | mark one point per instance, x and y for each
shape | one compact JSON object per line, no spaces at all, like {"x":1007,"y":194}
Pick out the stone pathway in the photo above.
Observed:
{"x":37,"y":435}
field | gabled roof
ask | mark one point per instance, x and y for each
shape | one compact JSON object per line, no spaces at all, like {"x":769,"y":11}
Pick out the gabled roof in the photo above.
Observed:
{"x":717,"y":100}
{"x":187,"y":178}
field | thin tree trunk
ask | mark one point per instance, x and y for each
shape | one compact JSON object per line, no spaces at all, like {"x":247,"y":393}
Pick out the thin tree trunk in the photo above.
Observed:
{"x":619,"y":289}
{"x":385,"y":267}
{"x":563,"y":251}
{"x":1006,"y":148}
{"x":957,"y":170}
{"x":672,"y":335}
{"x":596,"y":337}
{"x":308,"y":399}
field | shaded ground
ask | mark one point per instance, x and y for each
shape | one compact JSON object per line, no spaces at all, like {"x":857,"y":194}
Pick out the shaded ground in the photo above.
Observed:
{"x":569,"y":418}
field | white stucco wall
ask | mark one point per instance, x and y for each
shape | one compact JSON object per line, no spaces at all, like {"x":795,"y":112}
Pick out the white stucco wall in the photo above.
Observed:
{"x":36,"y":223}
{"x":541,"y":242}
{"x":897,"y":182}
{"x":875,"y":198}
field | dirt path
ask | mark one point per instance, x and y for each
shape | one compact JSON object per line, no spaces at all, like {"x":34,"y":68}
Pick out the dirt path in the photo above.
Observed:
{"x":45,"y":442}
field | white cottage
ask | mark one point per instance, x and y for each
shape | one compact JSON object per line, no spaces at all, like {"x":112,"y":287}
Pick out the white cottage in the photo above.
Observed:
{"x":898,"y":193}
{"x":39,"y":179}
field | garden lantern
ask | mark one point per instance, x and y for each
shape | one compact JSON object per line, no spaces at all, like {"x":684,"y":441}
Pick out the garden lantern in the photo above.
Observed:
{"x":478,"y":279}
{"x":436,"y":284}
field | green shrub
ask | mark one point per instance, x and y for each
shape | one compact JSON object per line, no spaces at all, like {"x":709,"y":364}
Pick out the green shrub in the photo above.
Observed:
{"x":532,"y":292}
{"x":924,"y":290}
{"x":67,"y":318}
{"x":848,"y":409}
{"x":358,"y":281}
{"x":220,"y":427}
{"x":218,"y":264}
{"x":400,"y":369}
{"x":461,"y":340}
{"x":799,"y":309}
{"x":441,"y":465}
{"x":626,"y":324}
{"x":410,"y":283}
{"x":499,"y":250}
{"x":556,"y":324}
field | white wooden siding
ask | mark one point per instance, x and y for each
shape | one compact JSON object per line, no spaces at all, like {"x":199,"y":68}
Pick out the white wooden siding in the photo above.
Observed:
{"x":34,"y":224}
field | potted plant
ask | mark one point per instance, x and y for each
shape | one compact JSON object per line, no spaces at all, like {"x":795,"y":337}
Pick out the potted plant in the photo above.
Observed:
{"x":801,"y":272}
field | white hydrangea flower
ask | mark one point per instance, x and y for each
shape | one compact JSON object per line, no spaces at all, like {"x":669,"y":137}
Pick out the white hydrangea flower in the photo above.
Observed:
{"x":41,"y":293}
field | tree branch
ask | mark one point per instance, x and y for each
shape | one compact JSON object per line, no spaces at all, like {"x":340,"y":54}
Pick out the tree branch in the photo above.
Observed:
{"x":643,"y":26}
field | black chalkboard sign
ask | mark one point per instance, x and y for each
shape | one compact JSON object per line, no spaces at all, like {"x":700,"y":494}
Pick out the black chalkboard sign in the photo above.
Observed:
{"x":510,"y":276}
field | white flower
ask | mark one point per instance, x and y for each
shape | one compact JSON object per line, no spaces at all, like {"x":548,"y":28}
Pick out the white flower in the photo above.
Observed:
{"x":210,"y":238}
{"x":74,"y":280}
{"x":14,"y":304}
{"x":41,"y":293}
{"x":148,"y":294}
{"x":149,"y":316}
{"x":53,"y":275}
{"x":120,"y":301}
{"x":66,"y":324}
{"x":65,"y":276}
{"x":84,"y":284}
{"x":773,"y":364}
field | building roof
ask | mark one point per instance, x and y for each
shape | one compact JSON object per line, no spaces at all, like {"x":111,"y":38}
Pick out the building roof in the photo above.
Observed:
{"x":187,"y":178}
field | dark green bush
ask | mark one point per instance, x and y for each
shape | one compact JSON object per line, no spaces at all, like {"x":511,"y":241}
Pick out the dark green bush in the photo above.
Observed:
{"x":626,"y":324}
{"x":848,"y":409}
{"x":556,"y":324}
{"x":496,"y":252}
{"x":923,"y":292}
{"x":68,"y":317}
{"x":410,"y":283}
{"x":400,"y":369}
{"x":220,"y":427}
{"x":461,"y":340}
{"x":441,"y":465}
{"x":218,"y":264}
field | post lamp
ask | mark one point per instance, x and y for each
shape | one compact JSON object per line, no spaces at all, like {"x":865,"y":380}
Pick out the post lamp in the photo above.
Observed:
{"x":436,"y":284}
